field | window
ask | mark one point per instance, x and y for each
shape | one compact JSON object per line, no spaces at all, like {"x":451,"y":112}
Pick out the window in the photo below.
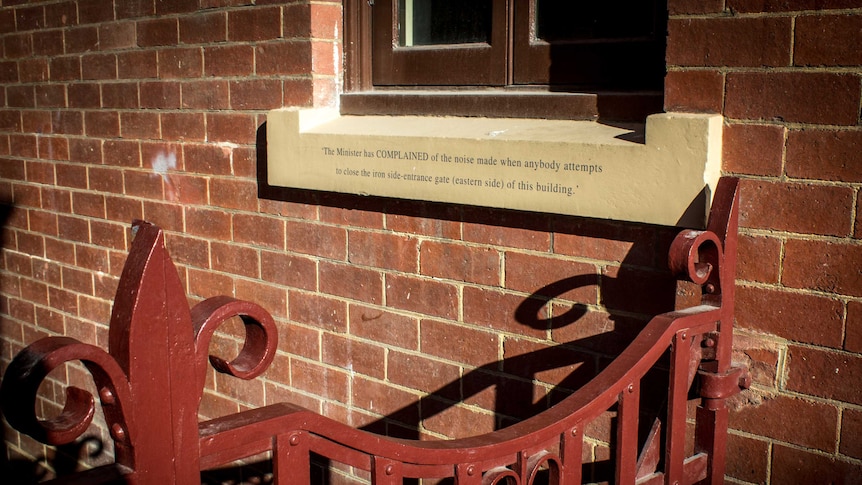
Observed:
{"x":554,"y":58}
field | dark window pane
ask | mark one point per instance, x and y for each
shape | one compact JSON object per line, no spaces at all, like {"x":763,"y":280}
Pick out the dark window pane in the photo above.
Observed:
{"x":567,"y":20}
{"x":435,"y":22}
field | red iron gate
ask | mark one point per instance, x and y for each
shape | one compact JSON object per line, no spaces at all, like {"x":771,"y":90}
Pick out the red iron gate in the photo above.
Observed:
{"x":151,"y":380}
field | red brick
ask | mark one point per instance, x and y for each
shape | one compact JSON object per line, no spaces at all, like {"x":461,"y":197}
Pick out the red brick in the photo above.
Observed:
{"x":183,"y":126}
{"x":288,"y":270}
{"x":237,"y":128}
{"x":459,"y":262}
{"x":384,"y":327}
{"x":120,"y":35}
{"x":188,"y":189}
{"x":143,"y":184}
{"x":108,"y":234}
{"x":508,"y":230}
{"x":556,"y":365}
{"x":244,"y":162}
{"x":86,"y":204}
{"x":124,"y":210}
{"x":757,"y":6}
{"x":637,"y":290}
{"x":235,"y":260}
{"x":317,"y":239}
{"x":160,"y":95}
{"x":753,"y":149}
{"x":84,"y":95}
{"x":69,"y":175}
{"x":53,"y":148}
{"x":857,"y":233}
{"x":594,"y":330}
{"x":851,"y":433}
{"x":122,"y":153}
{"x":102,"y":124}
{"x":93,"y":11}
{"x":729,"y":41}
{"x":229,"y":60}
{"x":502,"y":311}
{"x":78,"y":281}
{"x":828,"y":40}
{"x":768,"y":418}
{"x":30,"y":18}
{"x":48,"y":43}
{"x":20,"y":97}
{"x":385,"y":400}
{"x":853,"y":340}
{"x":137,"y":64}
{"x":558,"y":278}
{"x":50,"y":96}
{"x":81,"y":39}
{"x":34,"y":71}
{"x":233,"y":194}
{"x":825,"y":155}
{"x":283,"y":58}
{"x":99,"y":67}
{"x":66,"y":68}
{"x":205,"y":284}
{"x":69,"y":123}
{"x":355,"y":356}
{"x":255,"y":94}
{"x":423,"y":374}
{"x":791,"y":465}
{"x":351,"y":282}
{"x":455,"y":421}
{"x":318,"y":311}
{"x":759,"y":259}
{"x":425,"y":220}
{"x":120,"y":95}
{"x":800,"y":208}
{"x":212,"y":224}
{"x":180,"y":63}
{"x":794,"y":316}
{"x":425,"y":296}
{"x":383,"y":250}
{"x":254,"y":24}
{"x":825,"y":374}
{"x":785,"y":96}
{"x":203,"y":28}
{"x":24,"y":145}
{"x":459,"y":344}
{"x":259,"y":230}
{"x":331,"y":211}
{"x":299,"y":341}
{"x":823,"y":266}
{"x":158,"y":32}
{"x":17,"y":46}
{"x":138,"y":124}
{"x":73,"y":229}
{"x":187,"y":250}
{"x":694,"y":91}
{"x":206,"y":159}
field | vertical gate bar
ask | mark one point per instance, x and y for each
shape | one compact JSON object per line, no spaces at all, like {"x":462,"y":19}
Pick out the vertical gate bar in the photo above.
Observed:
{"x":291,"y":460}
{"x":711,"y":438}
{"x":676,"y":411}
{"x":627,"y":435}
{"x":572,"y":453}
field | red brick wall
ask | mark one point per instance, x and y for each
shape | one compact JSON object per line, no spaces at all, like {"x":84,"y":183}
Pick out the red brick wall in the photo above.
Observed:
{"x":152,"y":109}
{"x":788,"y":78}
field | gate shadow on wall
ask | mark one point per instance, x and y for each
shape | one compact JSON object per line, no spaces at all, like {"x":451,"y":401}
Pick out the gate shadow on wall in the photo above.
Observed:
{"x":631,"y":292}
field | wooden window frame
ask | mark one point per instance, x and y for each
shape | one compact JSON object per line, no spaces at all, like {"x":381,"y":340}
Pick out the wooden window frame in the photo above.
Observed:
{"x":446,"y":98}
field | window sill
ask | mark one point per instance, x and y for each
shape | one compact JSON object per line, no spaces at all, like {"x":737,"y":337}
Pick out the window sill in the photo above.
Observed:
{"x":505,"y":103}
{"x":660,"y":173}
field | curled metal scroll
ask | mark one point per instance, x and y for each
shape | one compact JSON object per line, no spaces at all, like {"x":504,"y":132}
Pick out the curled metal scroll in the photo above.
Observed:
{"x":697,"y":257}
{"x":27,"y":372}
{"x":261,"y":336}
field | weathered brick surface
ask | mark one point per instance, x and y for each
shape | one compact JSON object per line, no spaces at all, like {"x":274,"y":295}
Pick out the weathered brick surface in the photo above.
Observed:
{"x":825,"y":374}
{"x":789,"y":207}
{"x":834,"y":155}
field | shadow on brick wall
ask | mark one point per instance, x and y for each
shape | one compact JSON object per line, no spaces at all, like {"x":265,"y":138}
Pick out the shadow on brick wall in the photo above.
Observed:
{"x":632,"y":291}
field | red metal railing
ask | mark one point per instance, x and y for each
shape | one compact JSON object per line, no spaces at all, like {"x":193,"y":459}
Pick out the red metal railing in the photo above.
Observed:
{"x":151,"y":380}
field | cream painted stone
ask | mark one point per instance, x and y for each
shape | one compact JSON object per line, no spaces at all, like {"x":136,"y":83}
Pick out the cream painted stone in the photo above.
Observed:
{"x":661,"y":174}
